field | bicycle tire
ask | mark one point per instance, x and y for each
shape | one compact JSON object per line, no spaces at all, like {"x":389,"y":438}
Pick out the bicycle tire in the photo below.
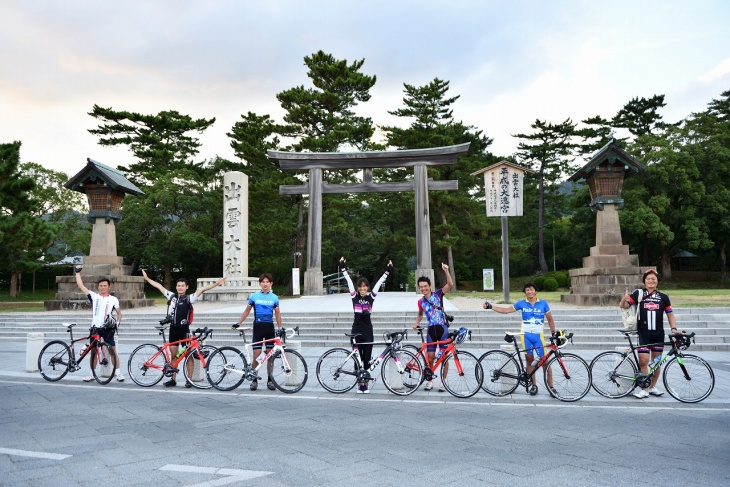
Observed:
{"x":401,"y":383}
{"x":289,"y":380}
{"x":576,"y":384}
{"x":54,"y":360}
{"x":421,"y":363}
{"x":701,"y":380}
{"x":501,"y":373}
{"x":104,"y":362}
{"x":226,"y":368}
{"x":613,"y":374}
{"x":204,"y":383}
{"x":337,"y":371}
{"x":143,"y":370}
{"x":469,"y":381}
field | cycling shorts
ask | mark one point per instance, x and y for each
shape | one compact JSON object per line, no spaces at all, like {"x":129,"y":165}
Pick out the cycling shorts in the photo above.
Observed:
{"x":108,"y":335}
{"x":263,"y":331}
{"x":178,"y":333}
{"x":648,"y":337}
{"x":436,"y":333}
{"x":534,"y":341}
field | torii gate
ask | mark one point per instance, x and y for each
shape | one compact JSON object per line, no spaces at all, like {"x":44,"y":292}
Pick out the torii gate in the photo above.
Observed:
{"x":316,"y":162}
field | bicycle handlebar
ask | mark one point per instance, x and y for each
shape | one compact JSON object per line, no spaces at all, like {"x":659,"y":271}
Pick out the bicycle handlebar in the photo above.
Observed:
{"x":396,"y":336}
{"x":203,"y":333}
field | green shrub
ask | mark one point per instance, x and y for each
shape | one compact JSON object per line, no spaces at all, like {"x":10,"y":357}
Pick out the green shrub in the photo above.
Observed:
{"x":550,"y":284}
{"x":563,"y":279}
{"x":539,"y":282}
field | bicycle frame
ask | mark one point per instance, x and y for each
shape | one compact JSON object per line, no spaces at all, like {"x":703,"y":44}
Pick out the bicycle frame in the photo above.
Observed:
{"x":640,"y":377}
{"x":193,"y":345}
{"x":279,"y":347}
{"x":525,"y":377}
{"x":450,"y":349}
{"x":389,"y":347}
{"x":93,"y":338}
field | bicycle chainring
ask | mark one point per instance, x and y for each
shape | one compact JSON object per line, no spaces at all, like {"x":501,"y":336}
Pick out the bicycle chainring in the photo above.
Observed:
{"x":363,"y":375}
{"x":428,"y":374}
{"x":643,"y":380}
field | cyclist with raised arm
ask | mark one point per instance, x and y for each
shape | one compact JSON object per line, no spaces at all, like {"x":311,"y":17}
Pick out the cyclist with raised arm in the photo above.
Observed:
{"x":362,"y":305}
{"x":650,"y":325}
{"x":534,"y":313}
{"x":180,"y":314}
{"x":431,"y":305}
{"x":265,"y":305}
{"x":104,"y":307}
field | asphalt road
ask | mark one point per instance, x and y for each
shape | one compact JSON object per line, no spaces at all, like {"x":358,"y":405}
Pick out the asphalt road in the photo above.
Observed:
{"x":72,"y":433}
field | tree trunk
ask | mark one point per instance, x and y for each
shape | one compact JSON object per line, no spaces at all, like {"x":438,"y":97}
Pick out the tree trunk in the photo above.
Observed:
{"x":168,"y":276}
{"x":723,"y":260}
{"x":540,"y":232}
{"x":299,"y":243}
{"x":14,"y":284}
{"x":666,"y":264}
{"x":449,"y":253}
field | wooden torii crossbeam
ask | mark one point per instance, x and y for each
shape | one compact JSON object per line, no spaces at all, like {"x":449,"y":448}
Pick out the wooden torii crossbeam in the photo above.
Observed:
{"x":316,"y":162}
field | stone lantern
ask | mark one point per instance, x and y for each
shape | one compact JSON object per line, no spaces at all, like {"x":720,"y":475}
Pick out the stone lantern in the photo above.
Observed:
{"x":105,"y":188}
{"x":610,"y":268}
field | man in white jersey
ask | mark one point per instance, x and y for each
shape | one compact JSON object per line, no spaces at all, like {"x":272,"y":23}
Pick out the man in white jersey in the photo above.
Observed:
{"x":103,"y":305}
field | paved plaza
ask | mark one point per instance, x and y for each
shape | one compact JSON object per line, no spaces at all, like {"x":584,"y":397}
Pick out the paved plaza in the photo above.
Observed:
{"x":74,"y":433}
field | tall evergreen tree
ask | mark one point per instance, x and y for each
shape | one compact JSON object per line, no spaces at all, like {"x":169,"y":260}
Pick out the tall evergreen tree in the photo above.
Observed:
{"x":23,"y":236}
{"x":160,"y":142}
{"x":549,"y":150}
{"x":433,"y":125}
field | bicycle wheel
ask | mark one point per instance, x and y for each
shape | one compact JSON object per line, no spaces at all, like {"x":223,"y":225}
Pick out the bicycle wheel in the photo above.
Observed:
{"x":465,"y":374}
{"x":337,"y":370}
{"x":688,"y":378}
{"x":54,"y":360}
{"x":501,"y":373}
{"x":613,"y":374}
{"x":199,"y":379}
{"x":145,"y":365}
{"x":291,"y":374}
{"x":104,"y":363}
{"x":226,"y":368}
{"x":401,"y":372}
{"x":421,"y":363}
{"x":571,"y":377}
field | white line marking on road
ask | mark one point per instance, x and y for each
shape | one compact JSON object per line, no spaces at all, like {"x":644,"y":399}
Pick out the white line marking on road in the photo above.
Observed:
{"x":617,"y":403}
{"x":231,"y":474}
{"x":34,"y":454}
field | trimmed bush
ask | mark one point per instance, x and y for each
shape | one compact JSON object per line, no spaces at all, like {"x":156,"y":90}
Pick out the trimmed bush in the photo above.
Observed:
{"x":539,"y":282}
{"x":563,"y":279}
{"x":550,"y":284}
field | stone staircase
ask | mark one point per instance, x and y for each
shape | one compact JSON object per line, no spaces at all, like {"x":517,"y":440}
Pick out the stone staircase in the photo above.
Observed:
{"x":594,"y":328}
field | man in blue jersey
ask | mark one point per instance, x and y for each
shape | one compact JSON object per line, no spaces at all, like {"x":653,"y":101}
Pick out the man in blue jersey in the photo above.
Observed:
{"x":265,"y":306}
{"x":534,"y":313}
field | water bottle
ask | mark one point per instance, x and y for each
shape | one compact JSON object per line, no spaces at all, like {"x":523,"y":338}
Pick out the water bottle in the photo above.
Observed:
{"x":180,"y":351}
{"x":536,"y":361}
{"x":86,"y":345}
{"x":657,"y":359}
{"x":261,"y":357}
{"x":439,"y":352}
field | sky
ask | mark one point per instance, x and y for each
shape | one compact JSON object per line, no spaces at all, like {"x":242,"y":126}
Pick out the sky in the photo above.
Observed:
{"x":511,"y":62}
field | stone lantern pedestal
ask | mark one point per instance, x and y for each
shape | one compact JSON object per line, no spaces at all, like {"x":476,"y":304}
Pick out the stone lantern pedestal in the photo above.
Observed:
{"x":609,"y":269}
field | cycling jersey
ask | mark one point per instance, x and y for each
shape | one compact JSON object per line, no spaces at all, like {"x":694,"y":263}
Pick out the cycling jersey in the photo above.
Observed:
{"x":651,"y":310}
{"x":363,"y":305}
{"x":533,"y":315}
{"x":433,"y":308}
{"x":180,"y":308}
{"x":102,"y":307}
{"x":263,"y":305}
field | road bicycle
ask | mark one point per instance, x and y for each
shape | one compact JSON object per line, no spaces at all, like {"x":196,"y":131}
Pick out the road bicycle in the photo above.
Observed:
{"x":570,"y":374}
{"x":687,"y":378}
{"x":149,"y":363}
{"x":465,"y":373}
{"x":58,"y":358}
{"x":228,"y":367}
{"x":339,"y":369}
